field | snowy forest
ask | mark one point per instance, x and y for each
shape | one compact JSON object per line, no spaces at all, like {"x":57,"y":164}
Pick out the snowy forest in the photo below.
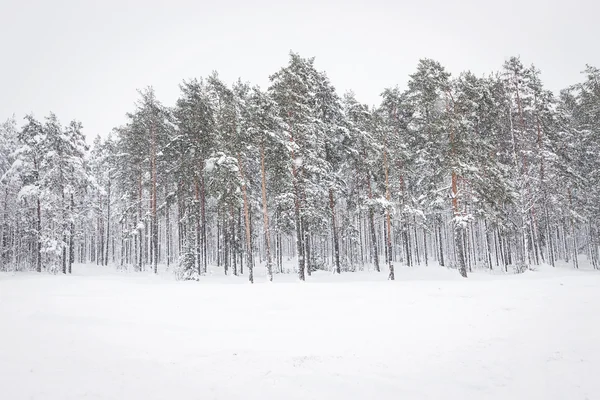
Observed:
{"x":467,"y":172}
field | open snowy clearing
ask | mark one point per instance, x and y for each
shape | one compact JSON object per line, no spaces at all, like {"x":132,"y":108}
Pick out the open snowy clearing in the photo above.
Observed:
{"x":428,"y":335}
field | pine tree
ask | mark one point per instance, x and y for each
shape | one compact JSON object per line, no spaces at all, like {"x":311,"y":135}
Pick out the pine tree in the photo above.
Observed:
{"x":190,"y":149}
{"x":28,"y":165}
{"x":264,"y":130}
{"x":292,"y":88}
{"x":8,"y":145}
{"x":362,"y":160}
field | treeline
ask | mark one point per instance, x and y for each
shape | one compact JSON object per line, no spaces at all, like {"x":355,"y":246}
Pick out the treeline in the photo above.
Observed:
{"x":467,"y":172}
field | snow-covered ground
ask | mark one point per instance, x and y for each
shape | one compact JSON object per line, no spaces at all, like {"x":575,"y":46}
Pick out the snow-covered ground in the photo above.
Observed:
{"x":102,"y":334}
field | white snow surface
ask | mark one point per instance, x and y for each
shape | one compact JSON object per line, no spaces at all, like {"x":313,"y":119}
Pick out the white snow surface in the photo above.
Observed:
{"x":103,"y":334}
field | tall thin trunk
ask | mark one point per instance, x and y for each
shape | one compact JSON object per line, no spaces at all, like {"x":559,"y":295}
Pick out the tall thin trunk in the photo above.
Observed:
{"x":167,"y":227}
{"x":441,"y":243}
{"x":407,"y":248}
{"x":417,"y":252}
{"x":279,"y":244}
{"x":72,"y":238}
{"x":4,"y":227}
{"x":198,"y":251}
{"x":219,"y":240}
{"x":64,"y":254}
{"x":249,"y":262}
{"x":336,"y":243}
{"x":458,"y":225}
{"x":385,"y":246}
{"x":234,"y":242}
{"x":265,"y":213}
{"x":425,"y":246}
{"x":497,"y":252}
{"x":226,"y":243}
{"x":107,"y":221}
{"x":239,"y":224}
{"x":38,"y":223}
{"x":458,"y":229}
{"x":139,"y":226}
{"x":488,"y":245}
{"x":179,"y":215}
{"x":374,"y":247}
{"x":203,"y":216}
{"x":549,"y":239}
{"x":154,"y":222}
{"x":38,"y":247}
{"x":63,"y":222}
{"x":100,"y":249}
{"x":388,"y":217}
{"x":307,"y":247}
{"x":124,"y":243}
{"x":573,"y":234}
{"x":299,"y":235}
{"x":361,"y":244}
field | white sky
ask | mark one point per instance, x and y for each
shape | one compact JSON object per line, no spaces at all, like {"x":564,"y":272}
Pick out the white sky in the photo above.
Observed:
{"x":85,"y":59}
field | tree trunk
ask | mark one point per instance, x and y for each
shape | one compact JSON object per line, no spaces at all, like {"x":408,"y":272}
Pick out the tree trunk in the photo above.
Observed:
{"x":441,"y":244}
{"x":299,"y":235}
{"x":417,"y":252}
{"x":198,"y":228}
{"x":374,"y":247}
{"x":219,"y":240}
{"x":458,"y":229}
{"x":203,"y":216}
{"x":336,"y":244}
{"x":226,"y":244}
{"x":72,"y":238}
{"x":574,"y":235}
{"x":39,"y":237}
{"x":139,"y":226}
{"x":307,"y":248}
{"x":239,"y":224}
{"x":391,"y":275}
{"x":234,"y":241}
{"x":107,"y":223}
{"x":249,"y":262}
{"x":265,"y":214}
{"x":153,"y":202}
{"x":167,"y":227}
{"x":3,"y":232}
{"x":407,"y":247}
{"x":488,"y":246}
{"x":425,"y":247}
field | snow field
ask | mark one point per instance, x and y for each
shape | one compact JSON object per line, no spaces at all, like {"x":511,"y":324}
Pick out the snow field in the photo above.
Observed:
{"x":428,"y":335}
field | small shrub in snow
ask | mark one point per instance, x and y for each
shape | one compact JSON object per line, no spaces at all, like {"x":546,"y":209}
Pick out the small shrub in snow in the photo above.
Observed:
{"x":186,"y":268}
{"x":520,"y":268}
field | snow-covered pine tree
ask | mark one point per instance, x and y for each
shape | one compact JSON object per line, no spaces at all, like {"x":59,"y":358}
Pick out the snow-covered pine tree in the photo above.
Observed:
{"x":8,"y":190}
{"x":27,"y":165}
{"x":265,"y":132}
{"x":362,"y":161}
{"x":293,"y":88}
{"x":193,"y":144}
{"x":337,"y":147}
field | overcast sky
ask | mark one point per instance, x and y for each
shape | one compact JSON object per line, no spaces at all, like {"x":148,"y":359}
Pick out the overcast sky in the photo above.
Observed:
{"x":85,"y":59}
